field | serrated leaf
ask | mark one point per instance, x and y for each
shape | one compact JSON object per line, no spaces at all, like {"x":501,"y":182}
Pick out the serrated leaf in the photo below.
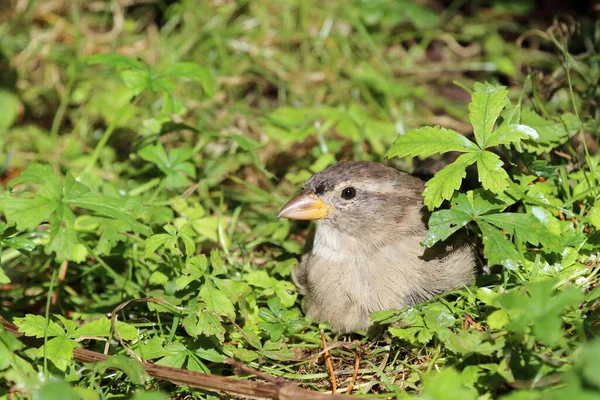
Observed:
{"x":216,"y":300}
{"x":63,"y":237}
{"x":423,"y":142}
{"x":491,"y":174}
{"x":497,"y":320}
{"x":540,"y":309}
{"x":486,"y":104}
{"x":511,"y":133}
{"x":157,"y":241}
{"x":527,"y":227}
{"x":444,"y":223}
{"x":111,"y":207}
{"x":101,"y":327}
{"x":28,"y":212}
{"x":156,"y":154}
{"x":204,"y":323}
{"x":187,"y":235}
{"x":131,"y":367}
{"x":43,"y":175}
{"x":173,"y":164}
{"x":68,"y":324}
{"x":551,"y":133}
{"x":110,"y":232}
{"x":33,"y":325}
{"x":59,"y":350}
{"x":177,"y":353}
{"x":442,"y":186}
{"x":473,"y":342}
{"x":73,"y":188}
{"x":497,"y":249}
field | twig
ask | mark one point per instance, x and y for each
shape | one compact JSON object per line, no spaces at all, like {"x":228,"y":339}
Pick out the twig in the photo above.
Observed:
{"x":354,"y":374}
{"x":471,"y":322}
{"x":259,"y":374}
{"x":199,"y":380}
{"x":329,"y":364}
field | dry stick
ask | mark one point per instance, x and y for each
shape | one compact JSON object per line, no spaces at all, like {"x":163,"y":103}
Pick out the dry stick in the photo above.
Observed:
{"x":354,"y":374}
{"x":472,"y":322}
{"x":198,"y":380}
{"x":329,"y":363}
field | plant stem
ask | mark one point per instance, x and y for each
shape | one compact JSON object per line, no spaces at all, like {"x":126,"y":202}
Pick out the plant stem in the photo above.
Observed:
{"x":47,"y":317}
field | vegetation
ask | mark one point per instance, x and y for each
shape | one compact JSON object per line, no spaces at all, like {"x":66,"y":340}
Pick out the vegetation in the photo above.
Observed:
{"x":148,"y":146}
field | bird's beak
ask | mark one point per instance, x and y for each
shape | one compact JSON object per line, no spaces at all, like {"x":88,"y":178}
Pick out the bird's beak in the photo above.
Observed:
{"x":305,"y":206}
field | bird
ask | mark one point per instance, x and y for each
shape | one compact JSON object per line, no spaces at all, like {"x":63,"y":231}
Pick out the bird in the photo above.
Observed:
{"x":366,"y":254}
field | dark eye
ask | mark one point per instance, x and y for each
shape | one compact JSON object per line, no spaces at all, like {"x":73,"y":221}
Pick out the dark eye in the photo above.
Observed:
{"x":348,"y":193}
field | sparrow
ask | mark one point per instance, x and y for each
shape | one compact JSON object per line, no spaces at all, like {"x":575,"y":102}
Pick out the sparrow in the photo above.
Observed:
{"x":366,"y":254}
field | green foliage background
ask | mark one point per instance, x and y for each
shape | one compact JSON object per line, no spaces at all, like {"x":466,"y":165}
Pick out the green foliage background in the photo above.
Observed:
{"x":152,"y":144}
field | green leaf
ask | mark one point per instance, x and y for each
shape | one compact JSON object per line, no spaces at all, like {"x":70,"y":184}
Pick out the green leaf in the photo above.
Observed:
{"x":486,"y":104}
{"x":587,"y":363}
{"x":74,"y":189}
{"x":204,"y":323}
{"x":110,"y":232}
{"x":246,"y":143}
{"x":116,"y":60}
{"x":137,"y":80}
{"x":57,"y":390}
{"x":491,"y":174}
{"x":423,"y":142}
{"x":157,"y":241}
{"x":177,"y":353}
{"x":63,"y":237}
{"x":112,"y":207}
{"x":59,"y":350}
{"x":474,"y":342}
{"x":20,"y":244}
{"x":174,"y":164}
{"x":550,"y":133}
{"x":191,"y":71}
{"x":33,"y":325}
{"x":511,"y":133}
{"x":131,"y":367}
{"x":444,"y":223}
{"x":43,"y":175}
{"x":216,"y":301}
{"x":9,"y":104}
{"x":141,"y":395}
{"x":442,"y":186}
{"x":28,"y":212}
{"x":540,"y":308}
{"x":497,"y":249}
{"x":446,"y":385}
{"x":527,"y":227}
{"x":497,"y":320}
{"x":156,"y":154}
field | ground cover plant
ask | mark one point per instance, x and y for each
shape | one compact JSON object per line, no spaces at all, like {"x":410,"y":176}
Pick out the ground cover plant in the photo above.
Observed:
{"x":148,"y":145}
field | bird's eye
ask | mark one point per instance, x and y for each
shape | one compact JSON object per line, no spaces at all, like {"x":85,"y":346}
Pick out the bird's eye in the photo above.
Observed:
{"x":348,"y":193}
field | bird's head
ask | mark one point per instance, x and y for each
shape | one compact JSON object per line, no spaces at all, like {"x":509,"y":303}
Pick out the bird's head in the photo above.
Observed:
{"x":360,"y":198}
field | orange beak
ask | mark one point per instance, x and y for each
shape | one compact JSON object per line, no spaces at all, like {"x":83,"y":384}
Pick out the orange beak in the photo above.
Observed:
{"x":305,"y":206}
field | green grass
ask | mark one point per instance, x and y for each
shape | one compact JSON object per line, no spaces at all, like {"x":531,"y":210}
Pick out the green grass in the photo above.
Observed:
{"x":156,"y":143}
